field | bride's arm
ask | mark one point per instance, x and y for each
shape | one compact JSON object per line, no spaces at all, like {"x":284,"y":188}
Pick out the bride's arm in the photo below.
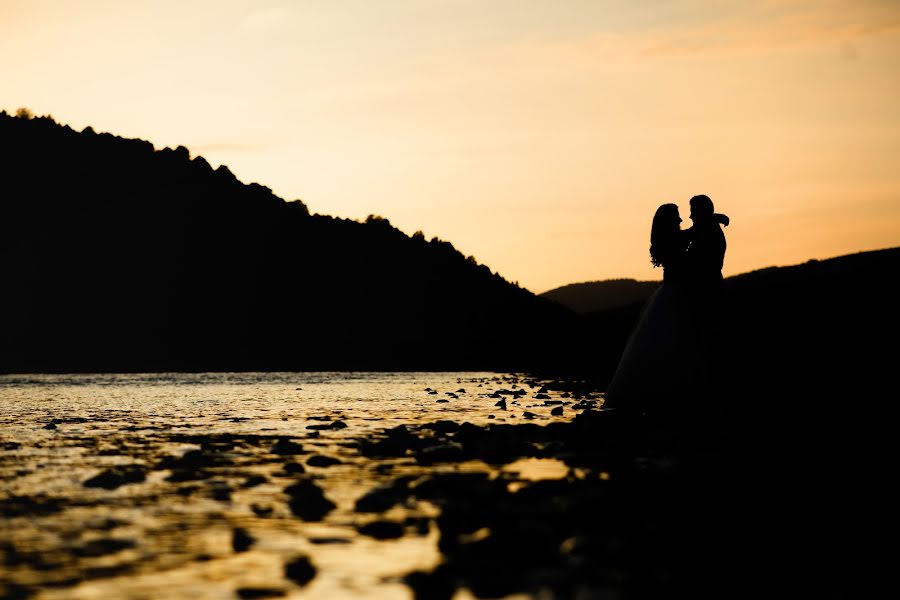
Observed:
{"x":722,"y":219}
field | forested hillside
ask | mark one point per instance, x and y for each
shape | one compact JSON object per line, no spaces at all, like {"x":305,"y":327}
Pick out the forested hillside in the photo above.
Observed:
{"x":119,"y":256}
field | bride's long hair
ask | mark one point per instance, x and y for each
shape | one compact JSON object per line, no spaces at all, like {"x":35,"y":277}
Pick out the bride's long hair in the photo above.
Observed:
{"x":664,"y":234}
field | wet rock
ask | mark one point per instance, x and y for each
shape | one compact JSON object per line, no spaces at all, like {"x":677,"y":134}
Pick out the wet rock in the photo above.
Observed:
{"x":180,"y":475}
{"x":50,"y":426}
{"x":449,"y":452}
{"x":241,"y":540}
{"x":528,"y":415}
{"x":220,"y":491}
{"x":439,"y":584}
{"x":190,"y":466}
{"x":110,"y":452}
{"x":395,"y":443}
{"x":419,"y":525}
{"x":442,"y":486}
{"x":327,"y":541}
{"x":553,"y":448}
{"x":382,"y":530}
{"x":105,"y":571}
{"x":496,"y":444}
{"x":442,"y":426}
{"x":15,"y":591}
{"x":384,"y":497}
{"x":285,"y":447}
{"x":216,"y":445}
{"x":585,"y":405}
{"x":293,"y":468}
{"x":300,"y":570}
{"x":557,"y":411}
{"x":102,"y":547}
{"x":441,"y":401}
{"x":253,"y":481}
{"x":320,"y":460}
{"x":104,"y":524}
{"x":541,"y":397}
{"x":117,"y":476}
{"x":338,"y":425}
{"x":261,"y":510}
{"x":501,"y":405}
{"x":308,"y":501}
{"x":251,"y":593}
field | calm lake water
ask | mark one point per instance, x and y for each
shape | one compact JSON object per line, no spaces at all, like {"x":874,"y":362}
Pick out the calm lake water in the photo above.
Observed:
{"x":169,"y":533}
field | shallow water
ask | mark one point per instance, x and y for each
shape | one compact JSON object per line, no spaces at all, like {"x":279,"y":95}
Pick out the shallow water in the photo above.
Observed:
{"x":171,"y":534}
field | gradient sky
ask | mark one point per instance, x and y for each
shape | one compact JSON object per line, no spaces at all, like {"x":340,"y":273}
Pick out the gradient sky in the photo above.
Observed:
{"x":537,"y":135}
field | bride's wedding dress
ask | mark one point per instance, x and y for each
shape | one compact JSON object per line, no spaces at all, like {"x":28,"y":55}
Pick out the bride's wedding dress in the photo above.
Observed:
{"x":663,"y":360}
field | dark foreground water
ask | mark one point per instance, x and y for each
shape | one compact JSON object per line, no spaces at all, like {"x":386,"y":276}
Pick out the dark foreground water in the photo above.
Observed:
{"x":174,"y":485}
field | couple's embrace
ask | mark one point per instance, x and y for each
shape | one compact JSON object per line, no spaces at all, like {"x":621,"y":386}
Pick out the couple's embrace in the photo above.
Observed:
{"x":673,"y":352}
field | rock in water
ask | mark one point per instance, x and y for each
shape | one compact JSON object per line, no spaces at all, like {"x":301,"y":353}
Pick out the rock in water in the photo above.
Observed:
{"x":114,"y":477}
{"x":300,"y":570}
{"x":308,"y":501}
{"x":241,"y":540}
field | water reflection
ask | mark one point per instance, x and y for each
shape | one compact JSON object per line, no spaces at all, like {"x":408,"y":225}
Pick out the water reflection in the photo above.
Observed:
{"x":537,"y":469}
{"x":177,"y":463}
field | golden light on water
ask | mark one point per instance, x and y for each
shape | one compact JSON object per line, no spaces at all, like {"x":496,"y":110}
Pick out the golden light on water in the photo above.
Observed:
{"x":170,"y":536}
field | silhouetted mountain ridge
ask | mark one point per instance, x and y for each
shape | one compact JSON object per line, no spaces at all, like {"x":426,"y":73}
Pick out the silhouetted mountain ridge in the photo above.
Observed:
{"x":597,"y":296}
{"x":823,"y":326}
{"x":118,"y":256}
{"x":590,"y":296}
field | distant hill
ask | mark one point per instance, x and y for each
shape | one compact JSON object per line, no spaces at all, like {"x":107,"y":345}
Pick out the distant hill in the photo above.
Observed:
{"x":120,"y":257}
{"x":592,"y":296}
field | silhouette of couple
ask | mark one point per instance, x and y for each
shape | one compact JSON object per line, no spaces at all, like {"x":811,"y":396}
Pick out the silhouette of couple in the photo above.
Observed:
{"x":673,"y":352}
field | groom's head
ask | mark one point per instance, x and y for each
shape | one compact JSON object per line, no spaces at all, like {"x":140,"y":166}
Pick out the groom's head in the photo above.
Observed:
{"x":701,"y":208}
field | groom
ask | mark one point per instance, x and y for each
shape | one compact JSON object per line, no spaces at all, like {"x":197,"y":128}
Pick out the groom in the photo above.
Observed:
{"x":705,"y":257}
{"x":706,"y":252}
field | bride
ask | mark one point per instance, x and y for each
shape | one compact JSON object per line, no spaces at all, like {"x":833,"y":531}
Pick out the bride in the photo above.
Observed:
{"x":661,"y":358}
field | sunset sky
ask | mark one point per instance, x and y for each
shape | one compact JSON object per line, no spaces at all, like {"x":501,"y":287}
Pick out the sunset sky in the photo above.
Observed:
{"x":537,"y":135}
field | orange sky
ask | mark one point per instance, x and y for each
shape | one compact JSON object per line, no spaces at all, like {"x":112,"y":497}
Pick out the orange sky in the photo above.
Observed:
{"x":538,"y":136}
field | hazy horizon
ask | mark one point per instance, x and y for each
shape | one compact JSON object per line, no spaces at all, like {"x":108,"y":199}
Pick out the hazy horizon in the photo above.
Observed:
{"x":537,"y":136}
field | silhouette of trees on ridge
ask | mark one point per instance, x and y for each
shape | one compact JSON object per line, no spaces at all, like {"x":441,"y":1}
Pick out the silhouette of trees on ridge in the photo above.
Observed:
{"x":119,"y":256}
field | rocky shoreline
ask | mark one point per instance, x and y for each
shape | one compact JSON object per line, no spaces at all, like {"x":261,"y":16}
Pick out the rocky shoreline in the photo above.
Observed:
{"x":628,"y":506}
{"x":623,"y":522}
